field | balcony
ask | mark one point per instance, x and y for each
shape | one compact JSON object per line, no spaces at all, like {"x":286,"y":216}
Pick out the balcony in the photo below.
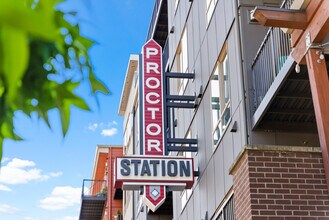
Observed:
{"x":282,"y":99}
{"x":93,"y":199}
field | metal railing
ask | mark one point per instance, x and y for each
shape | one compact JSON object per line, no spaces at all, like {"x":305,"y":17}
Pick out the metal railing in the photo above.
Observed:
{"x":227,"y":213}
{"x":269,"y":60}
{"x":94,"y":188}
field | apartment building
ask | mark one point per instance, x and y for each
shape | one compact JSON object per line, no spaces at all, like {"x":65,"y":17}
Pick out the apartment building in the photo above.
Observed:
{"x":99,"y":199}
{"x":238,"y":104}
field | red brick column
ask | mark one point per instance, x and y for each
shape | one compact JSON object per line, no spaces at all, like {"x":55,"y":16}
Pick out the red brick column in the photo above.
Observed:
{"x":278,"y":182}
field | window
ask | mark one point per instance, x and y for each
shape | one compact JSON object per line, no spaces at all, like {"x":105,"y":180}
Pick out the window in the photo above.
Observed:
{"x":220,"y":98}
{"x":210,"y":7}
{"x":182,"y":62}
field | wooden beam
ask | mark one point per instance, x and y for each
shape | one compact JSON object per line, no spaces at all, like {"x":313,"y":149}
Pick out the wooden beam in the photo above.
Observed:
{"x":317,"y":29}
{"x":319,"y":82}
{"x":310,"y":12}
{"x":278,"y":17}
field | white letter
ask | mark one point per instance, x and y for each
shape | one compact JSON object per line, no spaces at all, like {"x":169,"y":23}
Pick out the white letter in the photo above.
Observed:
{"x":152,"y":101}
{"x":158,"y":129}
{"x":153,"y":144}
{"x":157,"y":82}
{"x":153,"y":110}
{"x":151,"y":51}
{"x":152,"y":66}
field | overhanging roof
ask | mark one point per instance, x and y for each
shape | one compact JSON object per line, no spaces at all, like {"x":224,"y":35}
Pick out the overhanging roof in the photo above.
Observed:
{"x":132,"y":67}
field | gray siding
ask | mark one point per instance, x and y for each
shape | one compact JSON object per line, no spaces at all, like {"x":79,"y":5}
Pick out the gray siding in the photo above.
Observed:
{"x":203,"y":194}
{"x":211,"y":186}
{"x":219,"y":171}
{"x":205,"y":42}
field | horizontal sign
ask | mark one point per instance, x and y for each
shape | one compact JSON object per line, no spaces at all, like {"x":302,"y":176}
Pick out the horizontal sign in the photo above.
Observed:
{"x":152,"y":170}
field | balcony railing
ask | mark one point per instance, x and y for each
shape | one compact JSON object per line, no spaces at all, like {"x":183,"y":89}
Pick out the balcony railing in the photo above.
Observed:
{"x":93,"y":199}
{"x":94,"y":188}
{"x":269,"y":60}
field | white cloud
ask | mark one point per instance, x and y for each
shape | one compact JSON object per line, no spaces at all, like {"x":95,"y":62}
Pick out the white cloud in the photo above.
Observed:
{"x":92,"y":127}
{"x":18,"y":163}
{"x":106,"y":129}
{"x":109,"y":132}
{"x":4,"y":188}
{"x":19,"y":171}
{"x":7,"y":209}
{"x":57,"y":174}
{"x":30,"y":218}
{"x":61,"y":198}
{"x":5,"y":159}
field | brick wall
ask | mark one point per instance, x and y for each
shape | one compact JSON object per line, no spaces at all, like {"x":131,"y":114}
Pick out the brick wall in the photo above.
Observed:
{"x":272,"y":182}
{"x":241,"y":189}
{"x":113,"y":205}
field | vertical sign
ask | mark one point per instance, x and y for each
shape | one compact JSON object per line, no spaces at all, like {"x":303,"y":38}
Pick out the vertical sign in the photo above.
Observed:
{"x":153,"y":115}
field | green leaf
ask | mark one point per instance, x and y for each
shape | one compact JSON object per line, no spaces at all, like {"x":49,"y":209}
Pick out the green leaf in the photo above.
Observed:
{"x":7,"y":130}
{"x":39,"y":24}
{"x":83,"y":43}
{"x":46,"y":7}
{"x":44,"y":116}
{"x":64,"y":112}
{"x":15,"y":50}
{"x":80,"y":103}
{"x":30,"y":37}
{"x":97,"y":85}
{"x":1,"y":142}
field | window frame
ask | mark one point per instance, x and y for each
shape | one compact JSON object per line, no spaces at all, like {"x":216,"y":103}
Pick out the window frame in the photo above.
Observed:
{"x":224,"y":106}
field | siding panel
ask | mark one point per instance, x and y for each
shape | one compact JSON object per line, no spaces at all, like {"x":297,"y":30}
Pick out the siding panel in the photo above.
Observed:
{"x":211,"y":187}
{"x":212,"y":44}
{"x":196,"y":29}
{"x":203,"y":194}
{"x":205,"y":62}
{"x":202,"y":17}
{"x":228,"y":159}
{"x":196,"y":203}
{"x":208,"y":125}
{"x":219,"y":174}
{"x":201,"y":138}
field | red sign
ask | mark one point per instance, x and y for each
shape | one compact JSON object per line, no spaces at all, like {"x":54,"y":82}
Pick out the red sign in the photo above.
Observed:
{"x":153,"y":114}
{"x":153,"y":170}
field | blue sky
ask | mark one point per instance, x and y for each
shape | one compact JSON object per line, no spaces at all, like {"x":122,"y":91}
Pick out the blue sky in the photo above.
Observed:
{"x":41,"y":177}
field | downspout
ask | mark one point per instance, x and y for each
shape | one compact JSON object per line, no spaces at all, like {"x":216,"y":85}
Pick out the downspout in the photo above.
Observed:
{"x":243,"y":70}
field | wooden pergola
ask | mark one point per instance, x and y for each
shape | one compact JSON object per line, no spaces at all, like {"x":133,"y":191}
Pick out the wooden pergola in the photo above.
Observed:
{"x":309,"y":28}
